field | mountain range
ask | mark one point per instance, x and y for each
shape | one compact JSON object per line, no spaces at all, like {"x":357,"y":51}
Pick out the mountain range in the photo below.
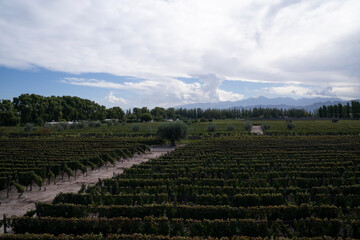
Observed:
{"x":309,"y":104}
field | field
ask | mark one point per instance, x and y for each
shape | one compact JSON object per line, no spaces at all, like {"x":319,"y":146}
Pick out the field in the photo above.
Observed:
{"x":31,"y":160}
{"x":277,"y":127}
{"x":259,"y":186}
{"x":225,"y":183}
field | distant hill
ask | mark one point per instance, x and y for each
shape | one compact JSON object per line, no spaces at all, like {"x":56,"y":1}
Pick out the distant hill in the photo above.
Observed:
{"x":264,"y":102}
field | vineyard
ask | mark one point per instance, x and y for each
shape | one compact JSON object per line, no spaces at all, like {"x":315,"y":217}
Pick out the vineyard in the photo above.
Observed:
{"x":28,"y":161}
{"x":196,"y":128}
{"x":235,"y":187}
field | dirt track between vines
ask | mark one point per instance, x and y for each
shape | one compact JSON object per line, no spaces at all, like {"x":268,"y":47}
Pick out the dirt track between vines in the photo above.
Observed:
{"x":14,"y":206}
{"x":257,"y":130}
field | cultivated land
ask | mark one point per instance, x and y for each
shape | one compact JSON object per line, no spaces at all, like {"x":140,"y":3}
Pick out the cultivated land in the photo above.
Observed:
{"x":278,"y":127}
{"x":221,"y":184}
{"x":19,"y":206}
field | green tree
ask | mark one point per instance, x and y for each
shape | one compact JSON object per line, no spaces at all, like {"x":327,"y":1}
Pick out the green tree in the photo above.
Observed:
{"x":8,"y":114}
{"x":158,"y":113}
{"x":173,"y":131}
{"x":146,"y":117}
{"x":115,"y":113}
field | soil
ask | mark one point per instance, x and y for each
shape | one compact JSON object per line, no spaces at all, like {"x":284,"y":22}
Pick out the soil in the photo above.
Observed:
{"x":19,"y":206}
{"x":257,"y":130}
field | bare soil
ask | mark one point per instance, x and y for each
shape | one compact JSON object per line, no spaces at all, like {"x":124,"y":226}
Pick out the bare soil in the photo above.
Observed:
{"x":257,"y":130}
{"x":19,"y":206}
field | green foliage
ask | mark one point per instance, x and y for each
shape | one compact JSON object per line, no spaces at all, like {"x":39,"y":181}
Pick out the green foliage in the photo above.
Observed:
{"x":135,"y":127}
{"x":39,"y":121}
{"x":68,"y":171}
{"x":30,"y":213}
{"x":20,"y":189}
{"x":211,"y":127}
{"x":146,"y":117}
{"x":230,"y":127}
{"x":172,"y":131}
{"x":227,"y":187}
{"x":8,"y":114}
{"x":61,"y":126}
{"x":148,"y":130}
{"x":95,"y":124}
{"x":248,"y":125}
{"x":77,"y":125}
{"x":37,"y":179}
{"x":110,"y":123}
{"x":28,"y":127}
{"x":265,"y":126}
{"x":115,"y":113}
{"x":290,"y":125}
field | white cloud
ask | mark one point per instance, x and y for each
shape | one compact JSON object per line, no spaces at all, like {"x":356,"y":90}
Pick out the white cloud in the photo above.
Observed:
{"x":309,"y":42}
{"x":228,"y":96}
{"x":161,"y":92}
{"x":115,"y":100}
{"x":301,"y":91}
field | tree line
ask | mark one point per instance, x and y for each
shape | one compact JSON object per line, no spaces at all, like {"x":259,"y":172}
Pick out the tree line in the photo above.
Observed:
{"x":340,"y":111}
{"x":32,"y":108}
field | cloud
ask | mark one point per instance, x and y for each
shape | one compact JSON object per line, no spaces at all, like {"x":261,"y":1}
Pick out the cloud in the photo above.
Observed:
{"x":305,"y":42}
{"x":161,"y":92}
{"x":301,"y":91}
{"x":115,"y":100}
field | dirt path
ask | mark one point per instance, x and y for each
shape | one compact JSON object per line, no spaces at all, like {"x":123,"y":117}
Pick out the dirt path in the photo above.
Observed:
{"x":14,"y":206}
{"x":257,"y":130}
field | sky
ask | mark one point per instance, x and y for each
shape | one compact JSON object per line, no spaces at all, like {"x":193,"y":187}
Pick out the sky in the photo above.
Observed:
{"x":134,"y":53}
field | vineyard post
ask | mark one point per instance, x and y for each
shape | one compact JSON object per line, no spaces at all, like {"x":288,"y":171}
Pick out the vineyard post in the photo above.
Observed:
{"x":4,"y":221}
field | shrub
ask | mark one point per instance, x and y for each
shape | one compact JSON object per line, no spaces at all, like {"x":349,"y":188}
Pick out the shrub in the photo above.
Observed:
{"x":97,"y":123}
{"x":77,"y":125}
{"x":247,"y":125}
{"x":211,"y":127}
{"x":335,"y":120}
{"x":148,"y":130}
{"x":230,"y":127}
{"x":265,"y":126}
{"x":173,"y":131}
{"x":28,"y":127}
{"x":61,"y":127}
{"x":290,"y":125}
{"x":39,"y":122}
{"x":135,"y":127}
{"x":44,"y":131}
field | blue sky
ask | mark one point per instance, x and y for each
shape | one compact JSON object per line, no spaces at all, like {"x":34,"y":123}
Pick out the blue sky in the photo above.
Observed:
{"x":168,"y":53}
{"x":47,"y":83}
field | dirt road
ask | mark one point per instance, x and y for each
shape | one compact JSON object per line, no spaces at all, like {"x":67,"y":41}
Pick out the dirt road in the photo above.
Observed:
{"x":257,"y":130}
{"x":14,"y":206}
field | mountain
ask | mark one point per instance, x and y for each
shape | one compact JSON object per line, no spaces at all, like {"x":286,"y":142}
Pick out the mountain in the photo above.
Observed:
{"x":264,"y":102}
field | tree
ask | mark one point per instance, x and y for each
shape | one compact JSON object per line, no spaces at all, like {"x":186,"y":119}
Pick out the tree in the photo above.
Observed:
{"x":158,"y":113}
{"x":146,"y":117}
{"x":115,"y":113}
{"x":8,"y":114}
{"x":173,"y":131}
